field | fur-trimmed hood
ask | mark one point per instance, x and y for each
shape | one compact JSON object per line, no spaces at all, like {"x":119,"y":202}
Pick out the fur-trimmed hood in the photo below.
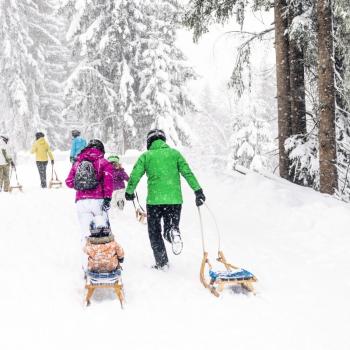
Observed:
{"x":101,"y":240}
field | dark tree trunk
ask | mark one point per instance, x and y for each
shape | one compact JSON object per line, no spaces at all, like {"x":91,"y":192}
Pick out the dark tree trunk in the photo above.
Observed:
{"x":327,"y":138}
{"x":297,"y":82}
{"x":283,"y":84}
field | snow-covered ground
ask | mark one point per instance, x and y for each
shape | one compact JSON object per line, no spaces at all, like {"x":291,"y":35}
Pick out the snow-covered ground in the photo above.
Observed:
{"x":295,"y":240}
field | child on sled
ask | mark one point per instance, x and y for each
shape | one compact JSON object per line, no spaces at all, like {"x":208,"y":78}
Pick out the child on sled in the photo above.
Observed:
{"x":119,"y":177}
{"x":105,"y":256}
{"x":104,"y":253}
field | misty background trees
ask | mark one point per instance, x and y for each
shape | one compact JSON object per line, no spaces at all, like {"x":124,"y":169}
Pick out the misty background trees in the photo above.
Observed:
{"x":115,"y":69}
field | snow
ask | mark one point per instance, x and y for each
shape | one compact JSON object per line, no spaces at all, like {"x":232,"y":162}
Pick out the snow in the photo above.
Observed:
{"x":294,"y":239}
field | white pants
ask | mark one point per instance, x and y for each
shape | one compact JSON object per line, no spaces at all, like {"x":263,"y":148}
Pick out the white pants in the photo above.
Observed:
{"x":87,"y":209}
{"x":117,"y":196}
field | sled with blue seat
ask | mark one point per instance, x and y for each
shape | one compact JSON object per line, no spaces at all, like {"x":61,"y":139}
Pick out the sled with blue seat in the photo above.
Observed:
{"x":231,"y":276}
{"x":104,"y":280}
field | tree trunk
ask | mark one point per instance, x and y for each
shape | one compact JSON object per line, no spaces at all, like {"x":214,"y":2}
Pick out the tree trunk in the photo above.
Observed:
{"x":327,"y":138}
{"x":297,"y":82}
{"x":283,"y":84}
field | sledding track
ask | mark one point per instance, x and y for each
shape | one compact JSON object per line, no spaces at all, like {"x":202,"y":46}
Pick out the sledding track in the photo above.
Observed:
{"x":295,"y":241}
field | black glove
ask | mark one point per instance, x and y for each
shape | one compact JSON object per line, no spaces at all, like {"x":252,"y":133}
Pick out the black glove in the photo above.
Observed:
{"x":52,"y":162}
{"x":71,"y":159}
{"x":129,"y":197}
{"x":200,"y":197}
{"x":106,"y":205}
{"x":12,"y":164}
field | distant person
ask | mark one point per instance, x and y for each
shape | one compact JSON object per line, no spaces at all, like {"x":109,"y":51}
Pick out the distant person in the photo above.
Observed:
{"x":78,"y":143}
{"x":42,"y":152}
{"x":5,"y":163}
{"x":119,"y":178}
{"x":163,"y":166}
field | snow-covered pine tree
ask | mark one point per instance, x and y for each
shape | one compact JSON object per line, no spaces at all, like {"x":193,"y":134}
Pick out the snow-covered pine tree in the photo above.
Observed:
{"x":251,"y":140}
{"x":129,"y":75}
{"x":19,"y":73}
{"x":55,"y":67}
{"x":342,"y":65}
{"x":162,"y":74}
{"x":28,"y":85}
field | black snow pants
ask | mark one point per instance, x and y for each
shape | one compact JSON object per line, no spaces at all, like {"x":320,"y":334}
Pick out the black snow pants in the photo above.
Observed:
{"x":42,"y":172}
{"x":171,"y":218}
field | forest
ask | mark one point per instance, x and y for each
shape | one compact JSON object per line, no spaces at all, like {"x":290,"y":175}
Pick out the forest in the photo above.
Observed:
{"x":115,"y":69}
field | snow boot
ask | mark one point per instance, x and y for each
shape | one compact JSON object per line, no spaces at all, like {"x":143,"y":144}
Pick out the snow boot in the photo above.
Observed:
{"x":164,"y":267}
{"x":176,"y":241}
{"x":120,"y":204}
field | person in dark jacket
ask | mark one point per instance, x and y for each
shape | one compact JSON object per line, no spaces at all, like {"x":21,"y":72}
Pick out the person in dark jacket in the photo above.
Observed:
{"x":163,"y":166}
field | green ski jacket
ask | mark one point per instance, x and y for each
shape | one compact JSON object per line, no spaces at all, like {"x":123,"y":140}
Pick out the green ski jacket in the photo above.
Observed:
{"x":163,"y":166}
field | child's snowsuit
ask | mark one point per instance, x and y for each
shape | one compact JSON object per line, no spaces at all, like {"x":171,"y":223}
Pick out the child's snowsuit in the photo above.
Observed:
{"x":119,"y":176}
{"x":104,"y":254}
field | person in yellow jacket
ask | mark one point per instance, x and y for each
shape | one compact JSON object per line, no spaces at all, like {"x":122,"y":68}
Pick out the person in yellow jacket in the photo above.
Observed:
{"x":42,"y":154}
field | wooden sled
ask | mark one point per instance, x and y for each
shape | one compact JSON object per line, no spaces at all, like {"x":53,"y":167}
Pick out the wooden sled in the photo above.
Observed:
{"x":17,"y":186}
{"x":54,"y":182}
{"x":92,"y":285}
{"x":141,"y":216}
{"x":232,"y":276}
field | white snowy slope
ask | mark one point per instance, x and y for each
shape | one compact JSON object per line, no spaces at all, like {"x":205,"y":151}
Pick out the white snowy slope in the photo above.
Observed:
{"x":295,"y":240}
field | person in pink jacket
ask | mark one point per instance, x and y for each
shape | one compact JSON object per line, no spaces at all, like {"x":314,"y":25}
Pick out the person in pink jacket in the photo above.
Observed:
{"x":92,"y":178}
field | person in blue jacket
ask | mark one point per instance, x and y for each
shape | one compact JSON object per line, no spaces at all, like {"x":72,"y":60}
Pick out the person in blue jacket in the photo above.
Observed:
{"x":78,"y":144}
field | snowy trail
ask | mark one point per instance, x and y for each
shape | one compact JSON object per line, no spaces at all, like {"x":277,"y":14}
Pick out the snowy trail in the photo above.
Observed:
{"x":295,"y":240}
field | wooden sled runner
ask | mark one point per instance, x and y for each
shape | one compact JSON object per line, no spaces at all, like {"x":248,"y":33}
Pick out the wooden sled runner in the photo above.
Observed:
{"x":104,"y":280}
{"x":54,"y":182}
{"x":17,"y":186}
{"x":141,"y":215}
{"x":231,"y":276}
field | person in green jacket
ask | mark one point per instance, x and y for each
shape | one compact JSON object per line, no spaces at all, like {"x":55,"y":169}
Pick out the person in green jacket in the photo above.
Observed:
{"x":163,"y":166}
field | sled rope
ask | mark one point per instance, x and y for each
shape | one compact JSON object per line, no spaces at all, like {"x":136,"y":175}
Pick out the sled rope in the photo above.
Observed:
{"x":13,"y":170}
{"x":53,"y":171}
{"x":216,"y":225}
{"x":219,"y":279}
{"x":202,"y":231}
{"x":138,"y":202}
{"x":141,"y":214}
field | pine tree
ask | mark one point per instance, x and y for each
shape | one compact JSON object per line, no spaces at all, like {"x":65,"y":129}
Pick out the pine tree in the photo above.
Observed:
{"x":251,"y":138}
{"x":283,"y":85}
{"x":130,"y":74}
{"x":162,"y":72}
{"x":327,"y":138}
{"x":31,"y":67}
{"x":19,"y":72}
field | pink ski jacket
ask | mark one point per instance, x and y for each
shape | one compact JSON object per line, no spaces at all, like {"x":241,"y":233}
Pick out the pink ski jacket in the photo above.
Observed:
{"x":104,"y":174}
